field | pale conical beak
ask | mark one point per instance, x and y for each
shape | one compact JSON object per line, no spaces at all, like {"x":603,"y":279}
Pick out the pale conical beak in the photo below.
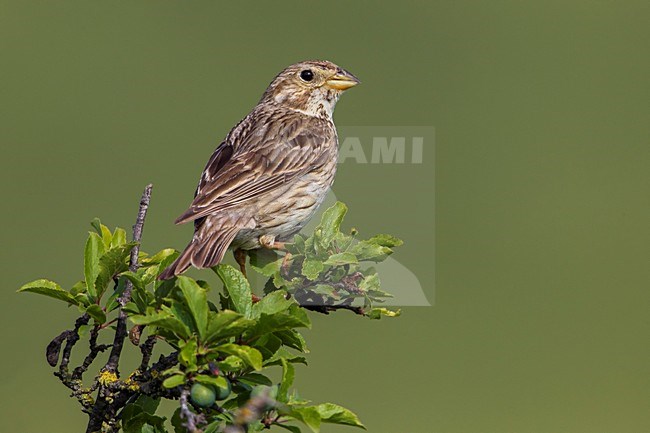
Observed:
{"x":342,"y":80}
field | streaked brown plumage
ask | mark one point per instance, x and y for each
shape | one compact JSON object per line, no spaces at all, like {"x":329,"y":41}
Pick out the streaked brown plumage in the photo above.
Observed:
{"x":272,"y":171}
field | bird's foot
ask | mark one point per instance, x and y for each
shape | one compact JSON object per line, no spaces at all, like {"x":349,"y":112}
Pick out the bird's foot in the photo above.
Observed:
{"x":269,"y":242}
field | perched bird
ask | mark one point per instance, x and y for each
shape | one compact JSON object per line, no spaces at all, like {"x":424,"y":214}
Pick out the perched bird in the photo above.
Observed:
{"x":267,"y":178}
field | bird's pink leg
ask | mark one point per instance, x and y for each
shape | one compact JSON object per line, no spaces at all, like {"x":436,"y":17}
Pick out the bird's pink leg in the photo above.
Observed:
{"x":240,"y":258}
{"x":285,"y":263}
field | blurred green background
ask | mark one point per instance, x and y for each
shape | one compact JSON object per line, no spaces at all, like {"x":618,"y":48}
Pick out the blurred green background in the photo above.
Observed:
{"x":542,"y":245}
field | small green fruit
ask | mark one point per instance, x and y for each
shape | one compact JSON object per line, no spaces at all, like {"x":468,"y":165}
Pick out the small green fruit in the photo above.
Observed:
{"x":222,"y":392}
{"x":202,"y":395}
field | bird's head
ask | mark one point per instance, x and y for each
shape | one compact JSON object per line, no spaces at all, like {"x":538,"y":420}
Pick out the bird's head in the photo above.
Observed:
{"x":312,"y":87}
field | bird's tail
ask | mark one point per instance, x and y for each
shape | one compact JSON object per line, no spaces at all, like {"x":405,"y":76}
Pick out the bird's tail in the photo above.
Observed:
{"x":205,"y":250}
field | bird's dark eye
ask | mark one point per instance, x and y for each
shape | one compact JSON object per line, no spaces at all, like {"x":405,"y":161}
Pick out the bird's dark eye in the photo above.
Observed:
{"x":307,"y":75}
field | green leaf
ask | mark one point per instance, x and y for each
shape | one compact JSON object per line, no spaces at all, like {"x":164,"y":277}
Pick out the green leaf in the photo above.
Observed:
{"x":187,"y":354}
{"x":159,"y":257}
{"x":163,"y":320}
{"x":255,"y":379}
{"x":78,"y":287}
{"x":371,"y":282}
{"x":288,"y":374}
{"x":135,"y":279}
{"x":219,"y":381}
{"x":325,"y":289}
{"x":51,"y":289}
{"x":366,"y":250}
{"x":274,"y":302}
{"x":181,"y":312}
{"x":340,"y":259}
{"x":96,"y":312}
{"x":294,"y":317}
{"x":370,"y":285}
{"x":197,"y":301}
{"x":148,"y":404}
{"x":139,"y":296}
{"x":174,"y":381}
{"x":84,"y":330}
{"x":291,"y":428}
{"x":249,"y":355}
{"x":161,"y":286}
{"x":226,"y":324}
{"x":376,"y":313}
{"x":106,"y":235}
{"x":269,"y":269}
{"x":92,"y":253}
{"x":308,"y":415}
{"x":216,"y":426}
{"x":237,"y":287}
{"x":298,"y":245}
{"x":113,"y":300}
{"x":119,"y":237}
{"x":256,"y":427}
{"x":294,"y":339}
{"x":268,"y":345}
{"x":177,"y":422}
{"x":83,"y":299}
{"x":331,"y":222}
{"x":335,"y":414}
{"x":262,"y":257}
{"x":343,"y":241}
{"x":111,"y":263}
{"x":135,"y":419}
{"x":311,"y":268}
{"x":385,"y":240}
{"x":96,"y":223}
{"x":231,"y":363}
{"x":284,"y":354}
{"x":309,"y":244}
{"x":300,"y":316}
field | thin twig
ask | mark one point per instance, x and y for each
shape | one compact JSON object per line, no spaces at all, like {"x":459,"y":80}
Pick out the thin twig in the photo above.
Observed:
{"x":120,"y":332}
{"x":146,"y":349}
{"x":71,"y":338}
{"x":53,"y":349}
{"x":95,"y":349}
{"x":113,"y":394}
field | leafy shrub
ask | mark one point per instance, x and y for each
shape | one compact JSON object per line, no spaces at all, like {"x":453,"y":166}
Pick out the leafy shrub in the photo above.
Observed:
{"x":220,"y":347}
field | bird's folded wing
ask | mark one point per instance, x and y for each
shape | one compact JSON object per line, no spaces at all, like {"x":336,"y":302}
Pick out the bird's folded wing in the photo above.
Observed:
{"x":233,"y":177}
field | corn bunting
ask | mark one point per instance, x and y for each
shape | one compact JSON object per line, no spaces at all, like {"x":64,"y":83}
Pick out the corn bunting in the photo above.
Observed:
{"x":272,"y":171}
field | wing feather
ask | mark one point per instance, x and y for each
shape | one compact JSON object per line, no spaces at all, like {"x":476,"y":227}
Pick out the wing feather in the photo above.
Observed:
{"x":257,"y":162}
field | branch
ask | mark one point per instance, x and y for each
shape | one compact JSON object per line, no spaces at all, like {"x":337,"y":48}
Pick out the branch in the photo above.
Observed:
{"x":70,"y":337}
{"x":72,"y":381}
{"x":120,"y":333}
{"x":95,"y":349}
{"x":150,"y":380}
{"x":326,"y":309}
{"x":146,"y":349}
{"x":192,"y":420}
